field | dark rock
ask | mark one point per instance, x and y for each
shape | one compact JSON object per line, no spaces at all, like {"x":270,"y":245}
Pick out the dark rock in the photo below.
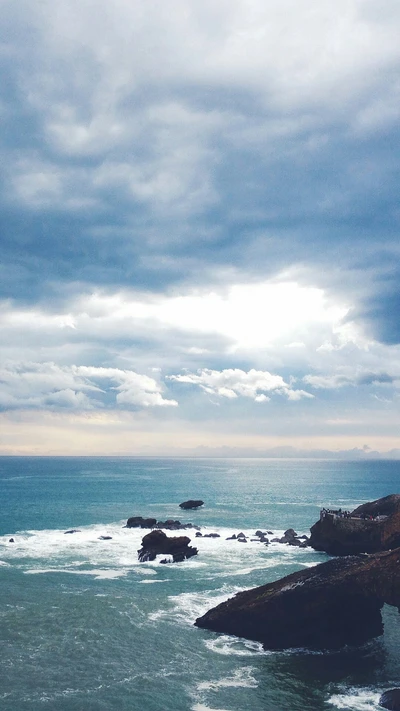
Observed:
{"x":241,"y":535}
{"x":105,"y":538}
{"x":140,"y":522}
{"x":73,"y":530}
{"x":158,"y":542}
{"x":276,"y":540}
{"x":191,"y":504}
{"x":370,"y":528}
{"x":390,"y":700}
{"x":11,"y":540}
{"x":241,"y":540}
{"x":325,"y":607}
{"x":232,"y":537}
{"x":270,"y":533}
{"x":199,"y":534}
{"x":211,"y":535}
{"x":259,"y":533}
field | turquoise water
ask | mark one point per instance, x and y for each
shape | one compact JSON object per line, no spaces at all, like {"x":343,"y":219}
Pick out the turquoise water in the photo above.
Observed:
{"x":85,"y":627}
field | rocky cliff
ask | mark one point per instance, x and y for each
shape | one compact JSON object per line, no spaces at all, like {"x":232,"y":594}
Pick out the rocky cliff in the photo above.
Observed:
{"x":325,"y":607}
{"x":370,"y":528}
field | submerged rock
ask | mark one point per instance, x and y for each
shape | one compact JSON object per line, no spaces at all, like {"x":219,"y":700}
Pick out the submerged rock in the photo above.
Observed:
{"x":370,"y":528}
{"x":390,"y":700}
{"x":325,"y":607}
{"x":73,"y":530}
{"x":157,"y":542}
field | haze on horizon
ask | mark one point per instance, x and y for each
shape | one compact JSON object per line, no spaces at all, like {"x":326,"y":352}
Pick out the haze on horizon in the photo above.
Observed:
{"x":199,"y":239}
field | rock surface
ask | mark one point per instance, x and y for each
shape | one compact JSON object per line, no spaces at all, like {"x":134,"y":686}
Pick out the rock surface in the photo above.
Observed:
{"x":191,"y":504}
{"x":157,"y":542}
{"x":324,"y":607}
{"x":390,"y":700}
{"x":370,"y":528}
{"x":170,"y":524}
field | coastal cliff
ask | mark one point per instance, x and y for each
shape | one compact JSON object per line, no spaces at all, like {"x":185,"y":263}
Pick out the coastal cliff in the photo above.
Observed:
{"x":326,"y":607}
{"x":370,"y":528}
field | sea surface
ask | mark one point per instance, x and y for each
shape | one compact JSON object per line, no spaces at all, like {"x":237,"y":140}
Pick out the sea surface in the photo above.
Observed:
{"x":85,"y":627}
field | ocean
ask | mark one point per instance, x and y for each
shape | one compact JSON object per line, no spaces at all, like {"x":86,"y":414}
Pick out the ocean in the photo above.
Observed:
{"x":85,"y":627}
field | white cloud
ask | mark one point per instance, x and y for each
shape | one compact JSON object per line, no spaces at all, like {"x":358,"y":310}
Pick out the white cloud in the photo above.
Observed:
{"x":49,"y":386}
{"x":233,"y":382}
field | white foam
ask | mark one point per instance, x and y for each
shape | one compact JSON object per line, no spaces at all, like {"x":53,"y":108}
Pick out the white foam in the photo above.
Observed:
{"x":235,"y":646}
{"x":186,"y":607}
{"x":241,"y":678}
{"x":203,"y":707}
{"x":356,"y":700}
{"x":98,"y":574}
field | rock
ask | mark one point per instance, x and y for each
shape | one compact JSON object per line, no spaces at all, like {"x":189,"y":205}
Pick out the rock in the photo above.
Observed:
{"x":73,"y":530}
{"x":11,"y":540}
{"x":191,"y":504}
{"x":140,"y":522}
{"x":158,"y":542}
{"x":232,"y":537}
{"x":105,"y":538}
{"x":390,"y":700}
{"x":346,"y":533}
{"x":270,"y":533}
{"x":211,"y":535}
{"x":325,"y":607}
{"x":199,"y":534}
{"x":241,"y":540}
{"x":241,"y":535}
{"x":259,"y":533}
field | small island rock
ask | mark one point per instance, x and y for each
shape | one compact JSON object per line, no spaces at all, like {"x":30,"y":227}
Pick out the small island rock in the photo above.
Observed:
{"x":157,"y":542}
{"x":191,"y":504}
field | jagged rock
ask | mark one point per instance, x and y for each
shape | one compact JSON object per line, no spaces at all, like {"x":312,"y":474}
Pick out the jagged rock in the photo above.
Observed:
{"x":370,"y":528}
{"x":11,"y":540}
{"x":232,"y":537}
{"x":158,"y":542}
{"x":390,"y":700}
{"x":191,"y":504}
{"x":325,"y":607}
{"x":140,"y":522}
{"x":73,"y":530}
{"x":211,"y":535}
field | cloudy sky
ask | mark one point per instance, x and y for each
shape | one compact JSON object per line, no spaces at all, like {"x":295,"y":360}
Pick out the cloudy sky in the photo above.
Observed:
{"x":200,"y":217}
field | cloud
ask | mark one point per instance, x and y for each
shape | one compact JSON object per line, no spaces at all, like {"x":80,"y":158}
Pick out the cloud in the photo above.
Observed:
{"x":48,"y":386}
{"x":355,"y":378}
{"x":231,"y":383}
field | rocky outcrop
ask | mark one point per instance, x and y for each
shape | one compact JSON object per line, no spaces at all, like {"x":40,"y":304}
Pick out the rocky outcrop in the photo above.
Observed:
{"x":324,"y":607}
{"x":292,"y":539}
{"x":170,"y":524}
{"x":157,"y":543}
{"x":370,"y":528}
{"x":390,"y":700}
{"x":191,"y":504}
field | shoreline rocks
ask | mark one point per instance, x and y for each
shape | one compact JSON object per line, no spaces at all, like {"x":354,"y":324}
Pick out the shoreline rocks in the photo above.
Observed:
{"x":327,"y":606}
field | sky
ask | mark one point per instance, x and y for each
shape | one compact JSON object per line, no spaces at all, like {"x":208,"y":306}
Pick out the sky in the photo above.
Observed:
{"x":199,"y":228}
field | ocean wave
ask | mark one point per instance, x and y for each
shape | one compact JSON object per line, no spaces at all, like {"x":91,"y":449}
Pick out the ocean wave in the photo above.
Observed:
{"x":356,"y":700}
